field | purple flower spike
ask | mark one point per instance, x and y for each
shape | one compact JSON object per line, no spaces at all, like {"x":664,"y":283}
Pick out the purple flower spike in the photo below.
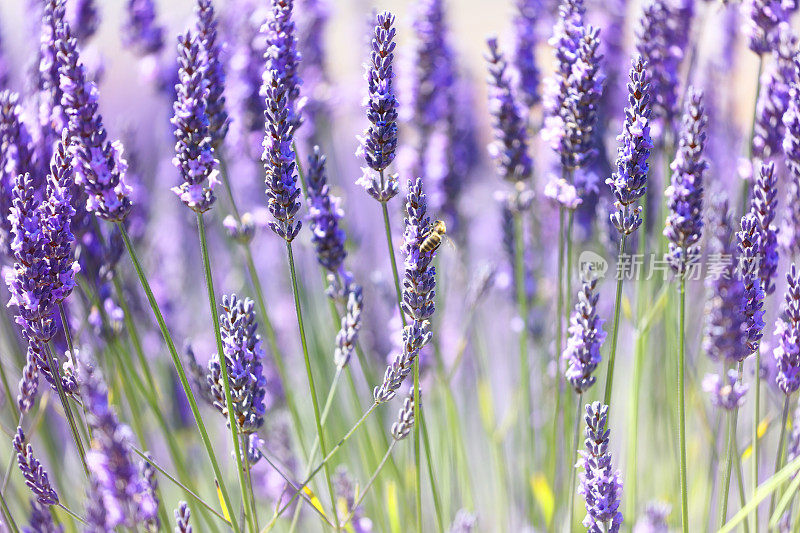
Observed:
{"x":787,"y":330}
{"x":579,"y":112}
{"x":629,"y":181}
{"x":243,"y":357}
{"x":123,"y":495}
{"x":566,"y":42}
{"x":685,"y":194}
{"x":51,"y":115}
{"x":378,"y":144}
{"x":141,"y":31}
{"x":283,"y":58}
{"x":324,"y":214}
{"x":405,"y":418}
{"x":194,"y":153}
{"x":726,"y":393}
{"x":661,"y":39}
{"x":214,"y":72}
{"x":16,"y":157}
{"x":435,"y":70}
{"x":761,"y":21}
{"x":83,"y":18}
{"x":56,"y":217}
{"x":148,"y":473}
{"x":749,"y":248}
{"x":510,"y":147}
{"x":789,"y":236}
{"x":774,"y":98}
{"x":525,"y":44}
{"x":279,"y":163}
{"x":28,"y":385}
{"x":601,"y":486}
{"x":182,"y":515}
{"x":41,"y":520}
{"x":99,"y":166}
{"x":347,"y":337}
{"x":725,"y":330}
{"x":586,"y":336}
{"x":33,"y":471}
{"x":419,"y":283}
{"x":764,"y":206}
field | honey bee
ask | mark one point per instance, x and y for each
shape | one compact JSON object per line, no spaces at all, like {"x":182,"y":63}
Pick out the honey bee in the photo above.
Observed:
{"x":434,"y":237}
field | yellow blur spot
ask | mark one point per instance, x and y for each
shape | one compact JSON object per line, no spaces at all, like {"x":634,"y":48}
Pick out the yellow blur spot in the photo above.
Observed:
{"x":762,"y":427}
{"x":313,"y":499}
{"x":626,"y":308}
{"x":747,"y":452}
{"x":391,"y":506}
{"x":225,"y":512}
{"x":485,"y":403}
{"x":543,"y":495}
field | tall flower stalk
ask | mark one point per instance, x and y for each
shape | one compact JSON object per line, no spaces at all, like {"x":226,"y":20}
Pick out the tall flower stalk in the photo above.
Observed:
{"x":629,"y":182}
{"x":683,"y":230}
{"x":282,"y":119}
{"x":198,"y":167}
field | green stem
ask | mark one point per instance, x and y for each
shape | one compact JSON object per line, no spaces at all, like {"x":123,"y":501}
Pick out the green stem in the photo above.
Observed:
{"x":682,"y":409}
{"x":320,"y":466}
{"x":223,"y":363}
{"x":56,"y":374}
{"x":781,"y":442}
{"x":726,"y":469}
{"x":369,"y":484}
{"x":250,"y":484}
{"x":615,"y":328}
{"x":310,"y":375}
{"x":559,"y":342}
{"x":179,"y":368}
{"x":756,"y":422}
{"x":575,"y":437}
{"x":429,"y":462}
{"x":395,"y":273}
{"x":7,"y":514}
{"x":528,"y":431}
{"x":740,"y":479}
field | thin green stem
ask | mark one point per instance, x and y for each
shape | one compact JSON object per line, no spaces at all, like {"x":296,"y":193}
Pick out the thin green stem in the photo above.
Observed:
{"x":781,"y":450}
{"x":740,"y":479}
{"x":73,"y":515}
{"x":56,"y":374}
{"x":528,"y":431}
{"x":436,"y":503}
{"x":726,"y":469}
{"x":756,"y":422}
{"x":310,"y":375}
{"x":557,"y":355}
{"x":250,"y":484}
{"x":179,"y":368}
{"x":615,"y":328}
{"x":369,"y":484}
{"x":682,"y":408}
{"x":570,"y":459}
{"x":393,"y":260}
{"x":320,"y":466}
{"x":223,"y":363}
{"x":7,"y":514}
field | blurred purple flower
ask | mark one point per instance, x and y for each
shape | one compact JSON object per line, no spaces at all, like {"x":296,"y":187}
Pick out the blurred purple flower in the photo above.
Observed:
{"x":749,"y":251}
{"x":182,"y":516}
{"x":774,"y":97}
{"x":33,"y":471}
{"x":725,"y":392}
{"x":83,"y":18}
{"x":761,"y":21}
{"x":213,"y":71}
{"x":324,"y":213}
{"x":787,"y":330}
{"x":526,"y":41}
{"x":764,"y":205}
{"x":141,"y":31}
{"x":586,"y":336}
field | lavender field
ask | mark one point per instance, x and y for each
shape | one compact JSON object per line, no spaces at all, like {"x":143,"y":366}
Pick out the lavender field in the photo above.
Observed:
{"x":399,"y":266}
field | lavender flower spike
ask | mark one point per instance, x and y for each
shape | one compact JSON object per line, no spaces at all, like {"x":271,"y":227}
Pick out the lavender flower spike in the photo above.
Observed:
{"x":347,"y":337}
{"x":122,"y":493}
{"x":725,"y":392}
{"x":586,"y":336}
{"x":787,"y":330}
{"x":41,"y":520}
{"x":789,"y":236}
{"x":182,"y":515}
{"x":28,"y":385}
{"x":685,"y":193}
{"x":283,"y":58}
{"x":405,"y":418}
{"x":774,"y":97}
{"x":764,"y":206}
{"x":141,"y":31}
{"x":629,"y":181}
{"x":565,"y":41}
{"x":243,"y":355}
{"x":510,"y":147}
{"x":525,"y":41}
{"x":194,"y":153}
{"x":762,"y":18}
{"x":33,"y":471}
{"x":99,"y":166}
{"x":749,"y":247}
{"x":419,"y":283}
{"x":726,"y":324}
{"x":214,"y":72}
{"x":379,"y":141}
{"x":600,"y":483}
{"x":324,"y":214}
